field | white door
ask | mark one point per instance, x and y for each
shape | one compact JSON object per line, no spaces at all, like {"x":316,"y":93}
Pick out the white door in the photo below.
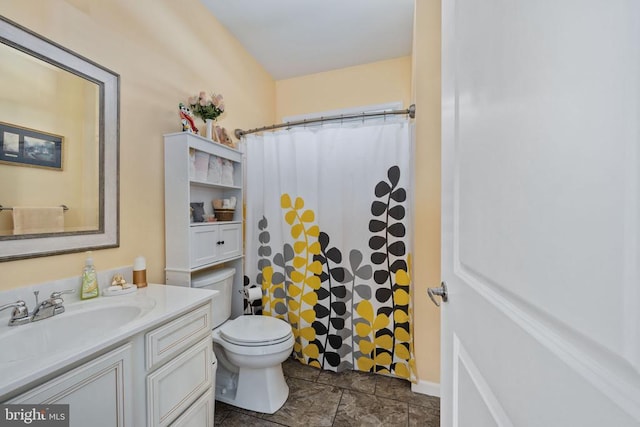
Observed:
{"x":541,"y":213}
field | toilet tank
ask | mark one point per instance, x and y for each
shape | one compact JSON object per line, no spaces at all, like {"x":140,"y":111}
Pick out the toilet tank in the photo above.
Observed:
{"x":218,"y":280}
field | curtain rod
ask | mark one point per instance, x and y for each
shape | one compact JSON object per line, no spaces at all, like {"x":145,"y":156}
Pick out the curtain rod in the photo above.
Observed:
{"x":411,"y":111}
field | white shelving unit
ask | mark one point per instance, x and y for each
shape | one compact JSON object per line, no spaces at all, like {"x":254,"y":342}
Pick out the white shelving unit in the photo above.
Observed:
{"x":195,"y":248}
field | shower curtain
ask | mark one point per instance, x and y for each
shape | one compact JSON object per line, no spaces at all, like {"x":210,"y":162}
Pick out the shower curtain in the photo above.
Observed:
{"x":327,"y":239}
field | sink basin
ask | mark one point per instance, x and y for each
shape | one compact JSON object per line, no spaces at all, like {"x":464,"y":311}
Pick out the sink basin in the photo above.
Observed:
{"x":64,"y":332}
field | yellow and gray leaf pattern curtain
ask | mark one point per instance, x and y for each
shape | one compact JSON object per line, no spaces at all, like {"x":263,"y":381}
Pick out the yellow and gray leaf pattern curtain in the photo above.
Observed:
{"x":328,"y":241}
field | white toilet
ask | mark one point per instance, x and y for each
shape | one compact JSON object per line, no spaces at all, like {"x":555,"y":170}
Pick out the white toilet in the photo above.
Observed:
{"x":250,"y":350}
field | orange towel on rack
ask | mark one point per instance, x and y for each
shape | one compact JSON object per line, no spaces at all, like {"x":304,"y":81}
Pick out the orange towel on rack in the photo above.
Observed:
{"x":36,"y":220}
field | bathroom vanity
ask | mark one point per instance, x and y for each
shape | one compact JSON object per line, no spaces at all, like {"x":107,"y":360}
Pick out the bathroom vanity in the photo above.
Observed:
{"x":143,"y":359}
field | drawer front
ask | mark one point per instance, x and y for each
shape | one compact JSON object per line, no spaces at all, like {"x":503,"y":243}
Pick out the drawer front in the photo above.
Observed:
{"x":230,"y":236}
{"x":204,"y":245}
{"x":200,"y":414}
{"x":169,"y":340}
{"x":175,"y":386}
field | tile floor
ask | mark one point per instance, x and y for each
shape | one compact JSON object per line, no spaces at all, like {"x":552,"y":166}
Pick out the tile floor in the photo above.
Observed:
{"x":322,"y":398}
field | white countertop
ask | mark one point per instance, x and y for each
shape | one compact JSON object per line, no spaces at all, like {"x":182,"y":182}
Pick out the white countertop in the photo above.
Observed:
{"x":159,"y":303}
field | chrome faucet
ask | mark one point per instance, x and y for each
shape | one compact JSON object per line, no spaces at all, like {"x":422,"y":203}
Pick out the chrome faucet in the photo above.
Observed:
{"x":50,"y":307}
{"x":47,"y":308}
{"x":20,"y":313}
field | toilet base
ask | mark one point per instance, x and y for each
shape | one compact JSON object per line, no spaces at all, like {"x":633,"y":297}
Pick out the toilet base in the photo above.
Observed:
{"x":261,"y":390}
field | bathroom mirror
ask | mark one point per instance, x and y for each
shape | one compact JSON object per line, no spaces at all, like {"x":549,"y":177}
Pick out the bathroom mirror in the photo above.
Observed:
{"x":59,"y":137}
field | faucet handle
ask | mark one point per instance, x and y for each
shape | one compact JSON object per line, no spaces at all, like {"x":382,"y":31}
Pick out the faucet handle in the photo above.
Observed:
{"x":18,"y":305}
{"x":57,"y":294}
{"x":20,"y":313}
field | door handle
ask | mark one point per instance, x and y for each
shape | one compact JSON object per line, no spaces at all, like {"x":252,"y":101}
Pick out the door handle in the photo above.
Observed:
{"x":441,"y":292}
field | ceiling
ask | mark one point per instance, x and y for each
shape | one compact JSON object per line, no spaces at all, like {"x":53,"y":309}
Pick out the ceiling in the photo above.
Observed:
{"x":298,"y":37}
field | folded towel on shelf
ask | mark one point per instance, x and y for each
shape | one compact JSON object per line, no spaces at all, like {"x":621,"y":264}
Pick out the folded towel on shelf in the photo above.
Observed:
{"x":35,"y":220}
{"x":202,"y":165}
{"x":215,"y":169}
{"x":226,"y":176}
{"x":192,"y":163}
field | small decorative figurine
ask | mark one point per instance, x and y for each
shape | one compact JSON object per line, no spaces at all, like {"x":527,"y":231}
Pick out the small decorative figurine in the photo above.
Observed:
{"x":223,"y":137}
{"x":118,"y":280}
{"x":186,"y":118}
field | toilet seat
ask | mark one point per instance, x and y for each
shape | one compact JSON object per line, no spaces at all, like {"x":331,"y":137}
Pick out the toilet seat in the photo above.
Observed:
{"x":263,"y":349}
{"x":255,"y":331}
{"x":256,"y":344}
{"x":254,"y":335}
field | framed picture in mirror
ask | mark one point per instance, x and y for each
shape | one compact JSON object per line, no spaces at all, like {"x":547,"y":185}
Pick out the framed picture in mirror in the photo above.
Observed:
{"x":28,"y":147}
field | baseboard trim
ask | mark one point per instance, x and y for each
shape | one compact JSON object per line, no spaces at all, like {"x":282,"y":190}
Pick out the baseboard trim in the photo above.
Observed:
{"x":426,"y":387}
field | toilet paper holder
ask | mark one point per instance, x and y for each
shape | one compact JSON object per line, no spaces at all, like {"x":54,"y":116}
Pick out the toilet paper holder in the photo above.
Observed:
{"x":251,"y":293}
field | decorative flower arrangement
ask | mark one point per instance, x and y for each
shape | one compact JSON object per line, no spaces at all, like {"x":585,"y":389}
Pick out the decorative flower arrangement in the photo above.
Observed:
{"x":206,"y":107}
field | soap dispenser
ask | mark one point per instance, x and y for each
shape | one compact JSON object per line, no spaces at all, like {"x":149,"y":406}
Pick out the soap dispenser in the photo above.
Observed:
{"x":89,"y":280}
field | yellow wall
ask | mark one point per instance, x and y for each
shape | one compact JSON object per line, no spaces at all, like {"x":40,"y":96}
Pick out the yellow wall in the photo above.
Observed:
{"x":426,"y":93}
{"x":368,"y":84}
{"x":164,"y":51}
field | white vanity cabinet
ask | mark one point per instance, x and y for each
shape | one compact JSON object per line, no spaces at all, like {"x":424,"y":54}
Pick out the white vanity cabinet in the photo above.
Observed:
{"x":179,"y":362}
{"x":163,"y":374}
{"x":191,"y":176}
{"x":98,"y":392}
{"x":200,"y":414}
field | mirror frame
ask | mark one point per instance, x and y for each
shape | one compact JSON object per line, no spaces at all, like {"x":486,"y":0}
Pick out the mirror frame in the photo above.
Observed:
{"x":108,"y":233}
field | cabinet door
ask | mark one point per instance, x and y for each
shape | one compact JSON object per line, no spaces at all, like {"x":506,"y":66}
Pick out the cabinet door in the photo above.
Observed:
{"x":175,"y":386}
{"x":200,"y":414}
{"x":95,"y":391}
{"x":230,"y":238}
{"x":204,"y":244}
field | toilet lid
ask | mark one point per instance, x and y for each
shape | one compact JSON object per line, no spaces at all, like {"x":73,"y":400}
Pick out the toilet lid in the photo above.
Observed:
{"x":255,"y":329}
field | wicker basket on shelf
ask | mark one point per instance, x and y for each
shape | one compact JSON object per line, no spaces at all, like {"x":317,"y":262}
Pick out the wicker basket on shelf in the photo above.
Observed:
{"x":224,"y":214}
